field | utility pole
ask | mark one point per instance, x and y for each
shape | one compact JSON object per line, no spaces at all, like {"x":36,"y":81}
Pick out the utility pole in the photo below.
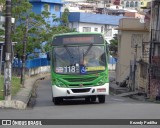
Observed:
{"x":104,"y":6}
{"x":24,"y":53}
{"x":8,"y":44}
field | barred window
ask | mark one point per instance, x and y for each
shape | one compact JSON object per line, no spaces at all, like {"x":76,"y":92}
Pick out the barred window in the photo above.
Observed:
{"x":131,"y":4}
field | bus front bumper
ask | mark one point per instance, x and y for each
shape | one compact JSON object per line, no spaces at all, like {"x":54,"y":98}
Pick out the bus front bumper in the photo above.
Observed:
{"x":80,"y":92}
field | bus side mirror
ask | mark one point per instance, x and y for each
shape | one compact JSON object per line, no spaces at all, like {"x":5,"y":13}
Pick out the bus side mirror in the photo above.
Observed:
{"x":48,"y":56}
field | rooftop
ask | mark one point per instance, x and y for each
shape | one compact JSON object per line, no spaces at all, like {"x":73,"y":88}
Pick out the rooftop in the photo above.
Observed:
{"x":48,"y":1}
{"x":94,"y":18}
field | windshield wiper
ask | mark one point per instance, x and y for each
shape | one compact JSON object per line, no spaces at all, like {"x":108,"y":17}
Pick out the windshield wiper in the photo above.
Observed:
{"x":88,"y":49}
{"x":68,"y":51}
{"x":70,"y":54}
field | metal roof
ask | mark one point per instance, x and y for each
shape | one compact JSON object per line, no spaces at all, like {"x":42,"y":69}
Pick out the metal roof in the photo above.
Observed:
{"x":48,"y":1}
{"x":94,"y":18}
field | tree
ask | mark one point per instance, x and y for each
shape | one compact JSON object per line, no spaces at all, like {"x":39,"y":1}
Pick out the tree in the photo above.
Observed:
{"x":2,"y":32}
{"x":29,"y":30}
{"x":62,"y":28}
{"x":64,"y":17}
{"x":2,"y":5}
{"x":113,"y":46}
{"x":24,"y":16}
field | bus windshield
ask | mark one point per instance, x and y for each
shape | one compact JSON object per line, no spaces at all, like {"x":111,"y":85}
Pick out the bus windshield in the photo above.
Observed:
{"x":79,"y":59}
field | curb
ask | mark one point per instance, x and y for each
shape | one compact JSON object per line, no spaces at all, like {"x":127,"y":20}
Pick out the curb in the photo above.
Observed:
{"x":21,"y":99}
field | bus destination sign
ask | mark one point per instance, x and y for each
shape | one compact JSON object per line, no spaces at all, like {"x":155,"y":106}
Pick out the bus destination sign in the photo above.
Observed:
{"x":74,"y":40}
{"x":78,"y":39}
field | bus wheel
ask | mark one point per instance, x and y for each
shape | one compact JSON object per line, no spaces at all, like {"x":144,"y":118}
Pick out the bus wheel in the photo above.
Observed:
{"x":57,"y":100}
{"x":93,"y":98}
{"x":87,"y":99}
{"x":101,"y":98}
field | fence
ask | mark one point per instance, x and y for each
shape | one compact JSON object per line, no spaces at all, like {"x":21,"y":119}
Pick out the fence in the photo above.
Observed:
{"x":37,"y":62}
{"x":32,"y":67}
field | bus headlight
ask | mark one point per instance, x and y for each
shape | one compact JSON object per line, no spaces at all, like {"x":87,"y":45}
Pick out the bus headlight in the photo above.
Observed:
{"x":59,"y":83}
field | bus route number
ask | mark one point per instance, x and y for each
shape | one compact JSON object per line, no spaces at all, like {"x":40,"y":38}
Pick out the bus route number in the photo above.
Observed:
{"x":70,"y":69}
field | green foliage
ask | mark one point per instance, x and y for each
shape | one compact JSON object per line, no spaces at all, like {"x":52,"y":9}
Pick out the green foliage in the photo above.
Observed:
{"x":15,"y":85}
{"x":64,"y":18}
{"x":2,"y":3}
{"x":2,"y":35}
{"x":113,"y":47}
{"x":57,"y":30}
{"x":39,"y":29}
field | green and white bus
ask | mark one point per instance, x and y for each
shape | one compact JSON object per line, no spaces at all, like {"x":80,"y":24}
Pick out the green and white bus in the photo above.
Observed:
{"x":79,"y":67}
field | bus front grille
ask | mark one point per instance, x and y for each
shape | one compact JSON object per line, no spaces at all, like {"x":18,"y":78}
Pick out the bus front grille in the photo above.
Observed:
{"x":80,"y":90}
{"x":79,"y":85}
{"x":80,"y":79}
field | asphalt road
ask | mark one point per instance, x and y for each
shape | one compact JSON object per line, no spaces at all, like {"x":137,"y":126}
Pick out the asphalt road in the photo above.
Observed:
{"x":114,"y":108}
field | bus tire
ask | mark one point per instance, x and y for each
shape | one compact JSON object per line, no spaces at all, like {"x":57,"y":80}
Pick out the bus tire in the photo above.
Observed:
{"x":87,"y":99}
{"x":101,"y":98}
{"x":93,"y":98}
{"x":57,"y":100}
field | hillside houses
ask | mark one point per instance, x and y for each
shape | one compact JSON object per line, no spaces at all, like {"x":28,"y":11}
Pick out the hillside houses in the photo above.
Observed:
{"x":54,"y":7}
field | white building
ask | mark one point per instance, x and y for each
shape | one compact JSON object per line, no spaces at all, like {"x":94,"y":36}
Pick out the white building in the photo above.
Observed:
{"x":88,"y":22}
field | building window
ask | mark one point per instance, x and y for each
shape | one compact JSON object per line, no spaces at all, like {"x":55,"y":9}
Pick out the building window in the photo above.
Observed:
{"x":142,"y":3}
{"x":86,"y":29}
{"x":127,"y":4}
{"x":131,"y":4}
{"x":56,"y":8}
{"x":136,"y":4}
{"x":96,"y":29}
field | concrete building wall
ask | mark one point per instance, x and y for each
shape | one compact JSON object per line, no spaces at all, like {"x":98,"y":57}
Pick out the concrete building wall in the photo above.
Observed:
{"x":124,"y":56}
{"x":92,"y":26}
{"x":131,"y":37}
{"x":141,"y":83}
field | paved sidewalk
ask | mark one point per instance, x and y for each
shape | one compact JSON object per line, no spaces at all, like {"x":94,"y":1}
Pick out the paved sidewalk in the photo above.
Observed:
{"x":116,"y":89}
{"x":123,"y":91}
{"x":20,"y":100}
